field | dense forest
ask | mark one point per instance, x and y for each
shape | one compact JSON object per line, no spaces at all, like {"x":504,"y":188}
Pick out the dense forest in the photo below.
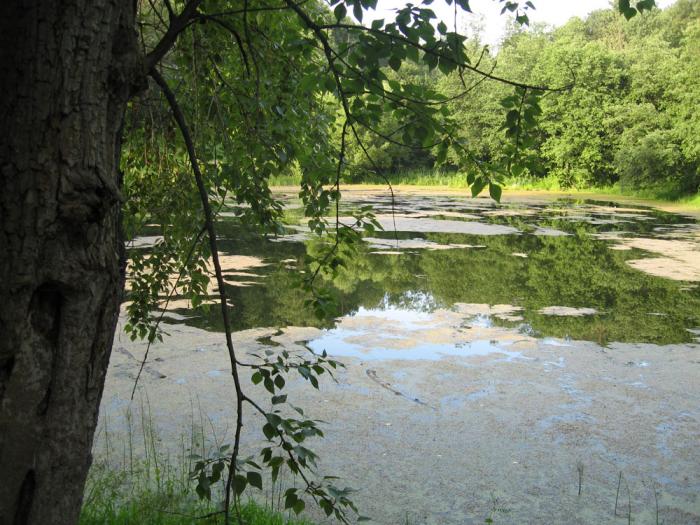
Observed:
{"x":626,"y":112}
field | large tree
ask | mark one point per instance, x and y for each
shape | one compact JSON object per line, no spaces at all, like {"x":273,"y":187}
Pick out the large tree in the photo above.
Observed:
{"x":68,"y":70}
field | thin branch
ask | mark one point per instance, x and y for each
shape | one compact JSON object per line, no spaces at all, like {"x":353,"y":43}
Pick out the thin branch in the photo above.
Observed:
{"x":169,"y":7}
{"x":328,"y":51}
{"x":430,"y":51}
{"x":156,"y":12}
{"x":517,"y":132}
{"x":211,"y":231}
{"x":246,"y":31}
{"x":383,"y":176}
{"x":177,"y":24}
{"x":226,"y":25}
{"x":341,"y":161}
{"x":398,"y":97}
{"x":257,"y":9}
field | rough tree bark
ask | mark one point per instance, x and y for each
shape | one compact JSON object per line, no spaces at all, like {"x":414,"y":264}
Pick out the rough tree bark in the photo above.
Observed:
{"x":67,"y":70}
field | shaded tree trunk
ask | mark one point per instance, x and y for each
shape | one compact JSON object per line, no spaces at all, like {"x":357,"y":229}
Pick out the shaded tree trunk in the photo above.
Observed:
{"x":67,"y":69}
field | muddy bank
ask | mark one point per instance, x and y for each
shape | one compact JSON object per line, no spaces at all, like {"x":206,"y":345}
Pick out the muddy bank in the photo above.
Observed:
{"x":488,"y":422}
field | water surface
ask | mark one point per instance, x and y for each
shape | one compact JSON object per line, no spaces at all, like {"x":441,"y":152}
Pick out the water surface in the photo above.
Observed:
{"x":579,"y":269}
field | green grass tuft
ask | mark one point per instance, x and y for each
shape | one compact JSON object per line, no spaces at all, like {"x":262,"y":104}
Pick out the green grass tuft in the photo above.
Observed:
{"x":136,"y":480}
{"x":121,"y":497}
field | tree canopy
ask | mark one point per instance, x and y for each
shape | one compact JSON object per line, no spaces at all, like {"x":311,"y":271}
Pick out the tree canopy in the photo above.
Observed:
{"x":626,"y":114}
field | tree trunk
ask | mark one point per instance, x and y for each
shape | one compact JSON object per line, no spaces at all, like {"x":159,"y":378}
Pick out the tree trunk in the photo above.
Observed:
{"x":67,"y":69}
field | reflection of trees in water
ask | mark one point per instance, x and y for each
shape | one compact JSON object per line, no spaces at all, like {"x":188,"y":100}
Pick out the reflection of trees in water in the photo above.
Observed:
{"x":576,"y":270}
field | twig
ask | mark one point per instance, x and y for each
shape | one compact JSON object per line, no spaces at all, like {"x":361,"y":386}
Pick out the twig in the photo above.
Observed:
{"x":211,"y":231}
{"x":617,"y":496}
{"x":430,"y":51}
{"x":517,"y":132}
{"x":383,"y":176}
{"x":341,"y":161}
{"x":228,"y":27}
{"x":656,"y":501}
{"x":579,"y":467}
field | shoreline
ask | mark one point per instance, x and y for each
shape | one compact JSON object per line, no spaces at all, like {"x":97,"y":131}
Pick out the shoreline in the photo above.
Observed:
{"x":679,"y":207}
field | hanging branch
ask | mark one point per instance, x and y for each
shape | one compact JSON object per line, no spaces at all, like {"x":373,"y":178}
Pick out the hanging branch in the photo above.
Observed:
{"x":239,"y":42}
{"x":211,"y":232}
{"x":383,"y":176}
{"x":427,"y":50}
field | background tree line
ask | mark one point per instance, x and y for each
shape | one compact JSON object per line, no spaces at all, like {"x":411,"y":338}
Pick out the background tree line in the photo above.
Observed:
{"x":627,"y":114}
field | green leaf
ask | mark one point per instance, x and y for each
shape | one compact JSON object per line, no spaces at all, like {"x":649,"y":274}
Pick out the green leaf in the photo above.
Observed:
{"x":273,"y":419}
{"x":269,"y":431}
{"x":395,"y":63}
{"x":239,"y":483}
{"x":327,"y":506}
{"x":340,"y":11}
{"x":478,"y":186}
{"x":446,"y":66}
{"x":216,"y":471}
{"x":495,"y":192}
{"x":255,"y":480}
{"x":289,"y":500}
{"x":357,"y":10}
{"x":277,"y":400}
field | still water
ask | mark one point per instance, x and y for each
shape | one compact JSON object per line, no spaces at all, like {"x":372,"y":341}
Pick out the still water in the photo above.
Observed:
{"x":569,"y":269}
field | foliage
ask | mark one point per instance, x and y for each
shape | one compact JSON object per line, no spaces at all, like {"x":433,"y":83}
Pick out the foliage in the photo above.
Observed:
{"x":156,"y":490}
{"x":625,"y":113}
{"x":262,"y":91}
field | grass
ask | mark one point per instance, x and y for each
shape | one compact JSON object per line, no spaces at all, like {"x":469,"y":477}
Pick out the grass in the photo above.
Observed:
{"x":417,"y":177}
{"x":421,"y":177}
{"x":285,"y":180}
{"x":658,"y":193}
{"x":149,"y":507}
{"x":454,"y":180}
{"x":135,"y":480}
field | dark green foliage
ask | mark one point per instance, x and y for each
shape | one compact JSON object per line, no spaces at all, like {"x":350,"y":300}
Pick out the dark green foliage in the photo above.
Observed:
{"x":153,"y":508}
{"x":625,"y":113}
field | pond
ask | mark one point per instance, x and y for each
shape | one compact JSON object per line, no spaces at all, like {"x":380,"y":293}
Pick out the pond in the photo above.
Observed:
{"x":517,"y":362}
{"x":578,"y":269}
